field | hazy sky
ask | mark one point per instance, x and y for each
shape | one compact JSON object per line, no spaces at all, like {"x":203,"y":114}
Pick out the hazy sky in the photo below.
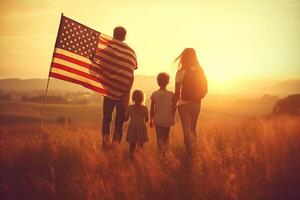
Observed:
{"x":234,"y":39}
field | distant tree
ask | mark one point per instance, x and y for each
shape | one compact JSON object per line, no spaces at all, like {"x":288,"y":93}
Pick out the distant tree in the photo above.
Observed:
{"x":41,"y":98}
{"x":81,"y":101}
{"x":288,"y":105}
{"x":63,"y":120}
{"x":5,"y":97}
{"x":269,"y":98}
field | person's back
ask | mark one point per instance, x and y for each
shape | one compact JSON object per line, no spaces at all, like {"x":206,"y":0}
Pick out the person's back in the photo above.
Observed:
{"x":194,"y":85}
{"x":137,"y":113}
{"x":121,"y":103}
{"x":164,"y":114}
{"x":190,"y":88}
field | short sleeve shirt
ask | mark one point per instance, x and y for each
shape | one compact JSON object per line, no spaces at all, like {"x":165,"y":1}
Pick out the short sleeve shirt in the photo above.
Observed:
{"x":179,"y":76}
{"x":178,"y":79}
{"x":163,"y":112}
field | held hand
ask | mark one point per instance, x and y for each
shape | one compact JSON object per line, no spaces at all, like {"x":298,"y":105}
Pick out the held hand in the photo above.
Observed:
{"x":174,"y":109}
{"x":151,"y":123}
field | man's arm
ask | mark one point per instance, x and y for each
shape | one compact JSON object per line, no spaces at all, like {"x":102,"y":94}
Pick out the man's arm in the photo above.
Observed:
{"x":126,"y":115}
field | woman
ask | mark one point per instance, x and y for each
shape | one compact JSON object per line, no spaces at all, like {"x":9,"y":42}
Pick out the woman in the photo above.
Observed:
{"x":190,"y":88}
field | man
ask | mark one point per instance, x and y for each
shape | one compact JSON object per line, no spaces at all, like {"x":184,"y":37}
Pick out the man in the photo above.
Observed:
{"x":120,"y":104}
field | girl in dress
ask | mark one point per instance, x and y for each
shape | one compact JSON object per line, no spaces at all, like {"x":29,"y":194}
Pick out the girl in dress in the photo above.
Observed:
{"x":138,"y":114}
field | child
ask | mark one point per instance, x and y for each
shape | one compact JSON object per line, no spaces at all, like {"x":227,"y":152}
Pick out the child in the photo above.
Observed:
{"x":138,"y":114}
{"x":162,"y":112}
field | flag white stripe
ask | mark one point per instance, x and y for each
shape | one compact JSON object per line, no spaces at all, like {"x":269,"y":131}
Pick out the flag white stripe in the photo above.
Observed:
{"x":73,"y":55}
{"x":121,"y":44}
{"x":93,"y":73}
{"x":84,"y":79}
{"x":109,"y":66}
{"x":127,"y":50}
{"x":114,"y":77}
{"x":111,"y":59}
{"x":70,"y":64}
{"x":87,"y":61}
{"x":111,"y":50}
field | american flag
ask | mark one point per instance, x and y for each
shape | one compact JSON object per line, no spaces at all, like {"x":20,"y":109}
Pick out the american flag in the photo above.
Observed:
{"x":92,"y":59}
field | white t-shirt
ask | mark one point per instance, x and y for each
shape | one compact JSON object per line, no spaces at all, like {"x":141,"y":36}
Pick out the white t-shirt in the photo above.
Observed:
{"x":178,"y":79}
{"x":163,"y":112}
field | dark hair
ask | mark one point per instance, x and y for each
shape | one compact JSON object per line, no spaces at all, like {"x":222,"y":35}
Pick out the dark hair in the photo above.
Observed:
{"x":138,"y":96}
{"x":187,"y":59}
{"x":163,"y":79}
{"x":120,"y":33}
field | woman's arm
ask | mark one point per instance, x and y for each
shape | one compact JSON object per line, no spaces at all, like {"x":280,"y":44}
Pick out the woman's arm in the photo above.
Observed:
{"x":176,"y":95}
{"x":126,"y":115}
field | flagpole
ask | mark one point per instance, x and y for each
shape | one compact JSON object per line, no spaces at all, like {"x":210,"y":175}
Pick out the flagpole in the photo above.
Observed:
{"x":46,"y":92}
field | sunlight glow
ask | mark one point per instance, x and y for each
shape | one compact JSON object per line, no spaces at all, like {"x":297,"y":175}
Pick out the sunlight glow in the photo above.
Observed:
{"x":233,"y":39}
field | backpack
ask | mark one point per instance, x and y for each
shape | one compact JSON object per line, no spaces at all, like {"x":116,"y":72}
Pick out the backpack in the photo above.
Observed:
{"x":194,"y":85}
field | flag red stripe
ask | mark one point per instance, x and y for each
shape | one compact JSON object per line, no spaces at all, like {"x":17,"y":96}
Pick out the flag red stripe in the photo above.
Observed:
{"x":89,"y":76}
{"x":104,"y":60}
{"x":107,"y":69}
{"x":106,"y":43}
{"x":116,"y":43}
{"x":109,"y":75}
{"x":116,"y":81}
{"x":66,"y":78}
{"x":72,"y":60}
{"x":88,"y":66}
{"x":104,"y":51}
{"x":75,"y":61}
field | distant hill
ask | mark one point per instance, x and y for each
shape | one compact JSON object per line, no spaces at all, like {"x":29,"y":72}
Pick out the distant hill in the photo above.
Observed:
{"x":147,"y":83}
{"x":33,"y":84}
{"x":291,"y":86}
{"x":21,"y":85}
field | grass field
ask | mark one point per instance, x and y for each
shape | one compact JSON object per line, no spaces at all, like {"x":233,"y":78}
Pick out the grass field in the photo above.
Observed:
{"x":240,"y":155}
{"x":91,"y":114}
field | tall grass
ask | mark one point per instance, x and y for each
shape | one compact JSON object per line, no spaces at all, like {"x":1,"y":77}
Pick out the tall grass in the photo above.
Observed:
{"x":235,"y":159}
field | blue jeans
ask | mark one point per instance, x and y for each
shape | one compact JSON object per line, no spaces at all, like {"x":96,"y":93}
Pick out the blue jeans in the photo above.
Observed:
{"x":108,"y":107}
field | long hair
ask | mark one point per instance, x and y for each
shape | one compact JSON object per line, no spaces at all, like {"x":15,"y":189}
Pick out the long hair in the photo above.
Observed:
{"x":187,"y":59}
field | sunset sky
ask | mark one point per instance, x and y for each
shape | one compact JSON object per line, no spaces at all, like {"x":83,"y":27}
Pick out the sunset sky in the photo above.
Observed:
{"x":234,"y":39}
